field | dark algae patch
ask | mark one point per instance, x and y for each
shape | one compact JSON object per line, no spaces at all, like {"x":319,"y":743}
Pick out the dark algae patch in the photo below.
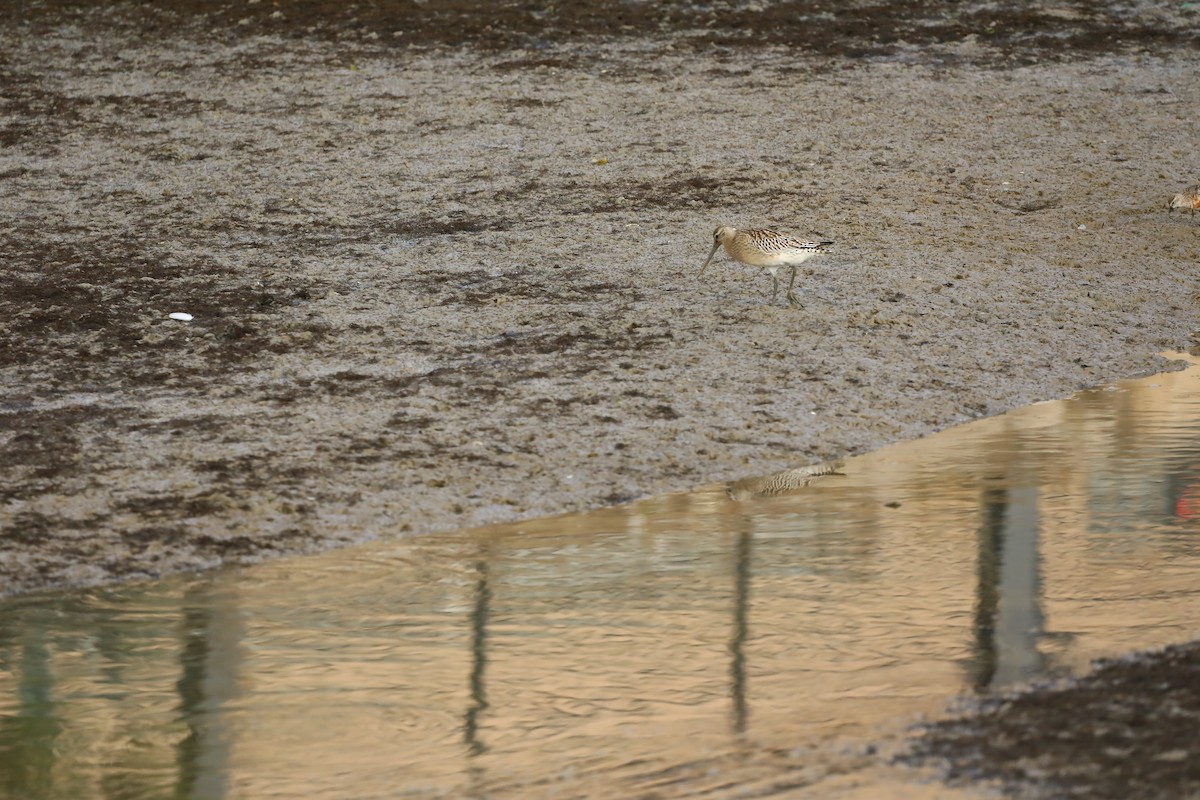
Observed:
{"x":852,"y":30}
{"x":1127,"y":731}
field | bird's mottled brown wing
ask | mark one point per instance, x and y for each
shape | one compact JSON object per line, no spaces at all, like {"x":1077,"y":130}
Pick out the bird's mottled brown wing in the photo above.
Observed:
{"x":761,"y":238}
{"x":797,"y":244}
{"x":766,"y":240}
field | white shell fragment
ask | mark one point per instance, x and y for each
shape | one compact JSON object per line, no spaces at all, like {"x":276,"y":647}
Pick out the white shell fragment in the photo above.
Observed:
{"x":181,"y":316}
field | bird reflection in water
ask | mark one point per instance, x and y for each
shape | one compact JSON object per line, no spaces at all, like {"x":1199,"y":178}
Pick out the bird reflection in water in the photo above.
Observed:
{"x":780,"y":483}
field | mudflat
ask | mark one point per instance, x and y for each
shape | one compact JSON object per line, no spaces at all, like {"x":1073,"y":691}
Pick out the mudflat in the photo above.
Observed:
{"x":441,"y":260}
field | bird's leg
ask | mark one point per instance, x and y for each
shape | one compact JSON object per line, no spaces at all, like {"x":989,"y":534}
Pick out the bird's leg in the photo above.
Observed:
{"x":774,"y":285}
{"x":791,"y":296}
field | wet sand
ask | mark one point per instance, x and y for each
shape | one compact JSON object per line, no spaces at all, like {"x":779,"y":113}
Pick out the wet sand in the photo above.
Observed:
{"x":441,"y":260}
{"x":443,"y":285}
{"x":1126,"y":731}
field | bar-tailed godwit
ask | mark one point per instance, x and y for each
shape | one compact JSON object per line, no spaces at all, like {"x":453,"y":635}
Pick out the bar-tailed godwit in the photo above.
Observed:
{"x":767,"y":249}
{"x":1189,"y":199}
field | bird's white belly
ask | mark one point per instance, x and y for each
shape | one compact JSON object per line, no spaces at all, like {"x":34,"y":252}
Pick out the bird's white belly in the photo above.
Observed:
{"x":787,"y":258}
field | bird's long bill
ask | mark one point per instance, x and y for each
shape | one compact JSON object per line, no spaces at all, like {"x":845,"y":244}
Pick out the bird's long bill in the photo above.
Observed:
{"x":711,"y":253}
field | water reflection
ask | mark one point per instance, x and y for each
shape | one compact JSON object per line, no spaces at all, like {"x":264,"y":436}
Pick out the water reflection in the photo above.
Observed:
{"x":729,"y":640}
{"x":29,"y":730}
{"x":781,"y":483}
{"x":479,"y":623}
{"x":741,"y":629}
{"x":1008,"y":616}
{"x":209,"y":663}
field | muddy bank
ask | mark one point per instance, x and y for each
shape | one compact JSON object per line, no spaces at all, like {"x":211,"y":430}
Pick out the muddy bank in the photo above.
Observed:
{"x":1018,"y":33}
{"x":1127,"y":730}
{"x":442,"y":286}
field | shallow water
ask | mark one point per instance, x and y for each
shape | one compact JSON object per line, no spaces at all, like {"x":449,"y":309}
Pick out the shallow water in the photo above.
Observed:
{"x":719,"y":643}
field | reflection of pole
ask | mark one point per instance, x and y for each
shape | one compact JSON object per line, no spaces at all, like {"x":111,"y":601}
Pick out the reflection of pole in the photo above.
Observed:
{"x":210,"y":660}
{"x":190,"y":686}
{"x":1020,"y":622}
{"x":991,"y":553}
{"x":1008,"y":614}
{"x":737,"y":644}
{"x":28,"y":755}
{"x":479,"y":620}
